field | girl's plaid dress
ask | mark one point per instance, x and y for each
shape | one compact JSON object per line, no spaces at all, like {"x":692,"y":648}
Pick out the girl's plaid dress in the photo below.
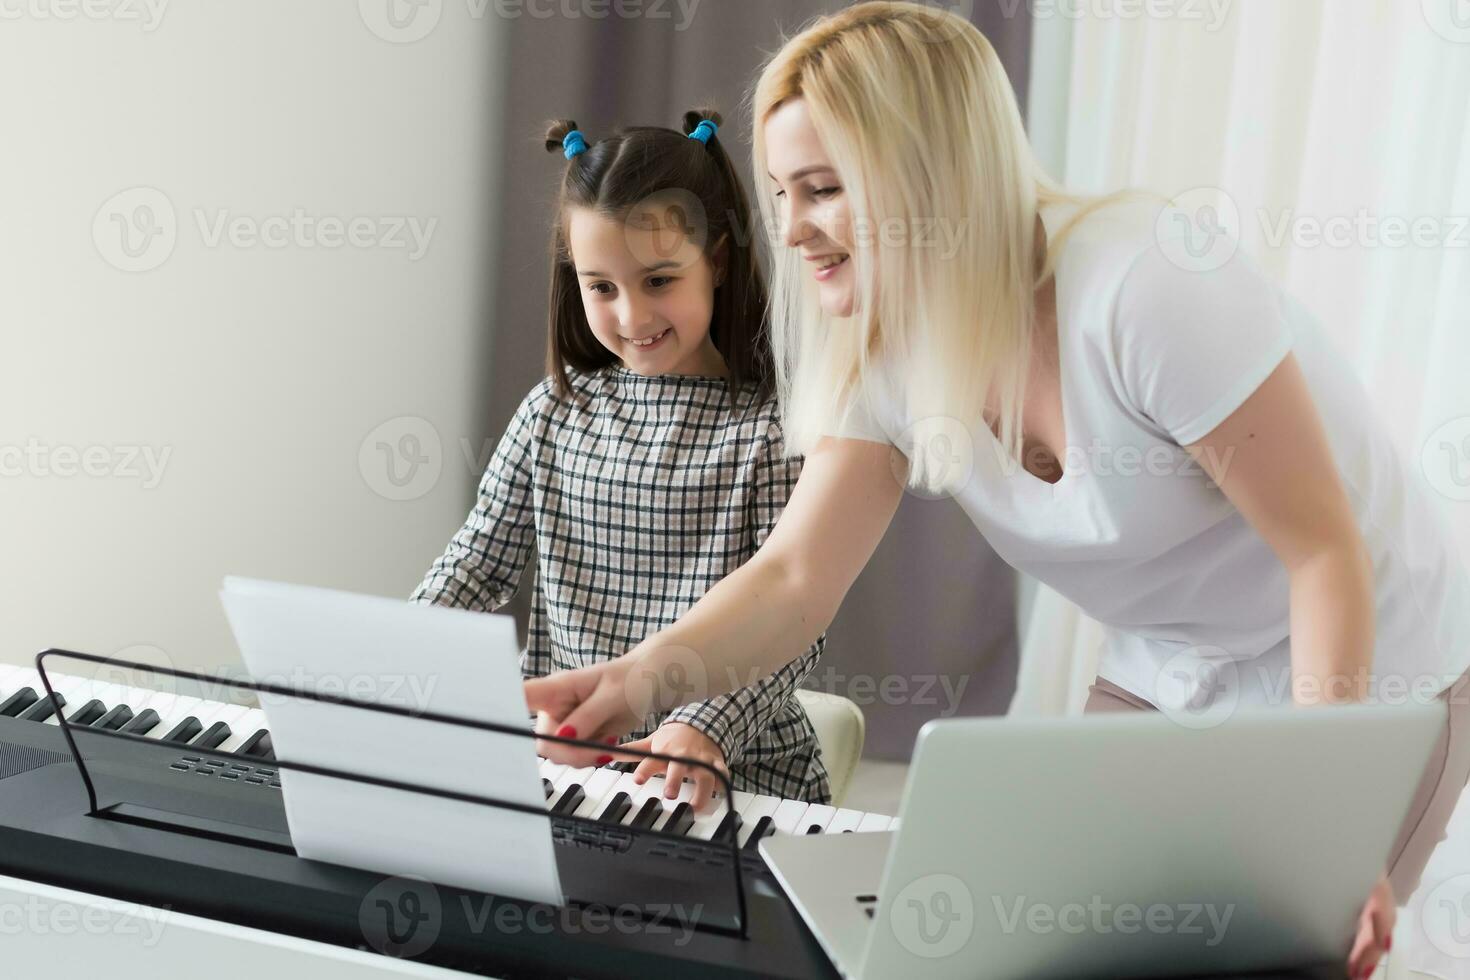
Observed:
{"x":639,"y":493}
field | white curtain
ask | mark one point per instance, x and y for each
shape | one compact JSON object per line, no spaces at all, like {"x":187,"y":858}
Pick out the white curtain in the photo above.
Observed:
{"x":1334,"y":138}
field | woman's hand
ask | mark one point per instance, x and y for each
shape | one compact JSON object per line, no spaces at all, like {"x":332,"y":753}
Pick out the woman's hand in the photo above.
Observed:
{"x":678,"y":738}
{"x":590,"y":703}
{"x":1375,"y":931}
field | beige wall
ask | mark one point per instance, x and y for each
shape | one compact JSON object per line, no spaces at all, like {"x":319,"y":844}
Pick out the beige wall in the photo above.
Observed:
{"x":253,"y":372}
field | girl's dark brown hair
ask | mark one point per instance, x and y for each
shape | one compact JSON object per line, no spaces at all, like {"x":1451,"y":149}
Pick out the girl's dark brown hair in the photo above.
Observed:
{"x":610,"y":178}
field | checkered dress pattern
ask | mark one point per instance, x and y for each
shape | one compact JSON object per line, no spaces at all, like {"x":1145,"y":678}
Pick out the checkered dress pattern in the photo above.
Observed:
{"x":639,"y":493}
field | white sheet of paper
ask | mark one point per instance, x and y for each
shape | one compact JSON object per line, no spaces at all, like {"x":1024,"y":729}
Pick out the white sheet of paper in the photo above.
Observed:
{"x":390,"y":651}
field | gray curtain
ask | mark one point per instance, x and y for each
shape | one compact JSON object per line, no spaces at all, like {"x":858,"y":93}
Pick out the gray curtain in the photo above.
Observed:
{"x":929,"y":627}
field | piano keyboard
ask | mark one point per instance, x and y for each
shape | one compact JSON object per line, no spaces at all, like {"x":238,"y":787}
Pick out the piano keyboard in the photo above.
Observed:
{"x":605,"y":794}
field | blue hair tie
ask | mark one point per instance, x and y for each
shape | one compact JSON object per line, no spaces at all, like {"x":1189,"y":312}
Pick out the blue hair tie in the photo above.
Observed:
{"x":573,"y":144}
{"x":704,"y":131}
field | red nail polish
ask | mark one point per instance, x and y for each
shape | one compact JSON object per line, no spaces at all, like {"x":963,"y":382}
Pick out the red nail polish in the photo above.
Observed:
{"x":566,"y":731}
{"x":1388,"y":944}
{"x":611,"y":740}
{"x":603,"y":760}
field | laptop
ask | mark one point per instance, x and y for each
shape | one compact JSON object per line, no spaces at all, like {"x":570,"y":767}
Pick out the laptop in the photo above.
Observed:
{"x":1118,"y":845}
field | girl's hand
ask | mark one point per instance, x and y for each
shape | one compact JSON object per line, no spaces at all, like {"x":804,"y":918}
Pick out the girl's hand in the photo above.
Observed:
{"x":589,"y":703}
{"x":1375,"y":931}
{"x":677,"y":738}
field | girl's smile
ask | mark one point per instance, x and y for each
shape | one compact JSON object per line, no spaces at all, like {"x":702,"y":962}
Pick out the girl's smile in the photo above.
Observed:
{"x":646,"y":344}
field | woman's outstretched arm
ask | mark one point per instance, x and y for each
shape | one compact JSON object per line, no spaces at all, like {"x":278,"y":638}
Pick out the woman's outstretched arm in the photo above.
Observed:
{"x":759,"y":617}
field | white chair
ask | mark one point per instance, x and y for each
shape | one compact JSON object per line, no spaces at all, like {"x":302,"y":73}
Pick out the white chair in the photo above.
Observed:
{"x":840,"y":732}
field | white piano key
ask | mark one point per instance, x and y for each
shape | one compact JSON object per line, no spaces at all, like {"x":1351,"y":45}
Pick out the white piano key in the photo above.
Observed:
{"x":568,"y":779}
{"x":624,"y":784}
{"x":599,"y":790}
{"x":845,"y":819}
{"x":873,"y":821}
{"x":705,"y":824}
{"x":761,"y":806}
{"x":894,"y":824}
{"x":787,"y":817}
{"x":242,"y":728}
{"x":819,"y":814}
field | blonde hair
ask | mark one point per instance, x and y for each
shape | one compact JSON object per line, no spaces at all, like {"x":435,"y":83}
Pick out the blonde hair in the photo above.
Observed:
{"x":920,"y":122}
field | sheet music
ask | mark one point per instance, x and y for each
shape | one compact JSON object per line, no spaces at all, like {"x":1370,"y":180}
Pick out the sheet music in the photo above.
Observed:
{"x":419,"y":657}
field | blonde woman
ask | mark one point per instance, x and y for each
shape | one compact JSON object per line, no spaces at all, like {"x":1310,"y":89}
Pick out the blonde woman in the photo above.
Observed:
{"x":1174,"y":448}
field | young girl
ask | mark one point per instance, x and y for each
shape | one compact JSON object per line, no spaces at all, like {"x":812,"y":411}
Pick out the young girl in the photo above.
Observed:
{"x":650,"y":463}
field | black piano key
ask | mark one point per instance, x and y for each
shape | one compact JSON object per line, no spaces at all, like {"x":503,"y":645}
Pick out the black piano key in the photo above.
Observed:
{"x":815,"y":828}
{"x":728,"y":828}
{"x":546,"y":787}
{"x":616,"y":810}
{"x":18,"y":702}
{"x":648,"y":814}
{"x":680,"y":820}
{"x":763,"y":828}
{"x":258,"y":745}
{"x":570,"y":800}
{"x":143,"y":723}
{"x":42,"y":709}
{"x":88,"y":713}
{"x":184,"y":731}
{"x":119,"y":716}
{"x":211,"y":739}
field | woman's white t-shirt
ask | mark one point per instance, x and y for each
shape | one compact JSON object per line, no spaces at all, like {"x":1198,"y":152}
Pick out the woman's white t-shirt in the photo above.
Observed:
{"x":1195,"y":603}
